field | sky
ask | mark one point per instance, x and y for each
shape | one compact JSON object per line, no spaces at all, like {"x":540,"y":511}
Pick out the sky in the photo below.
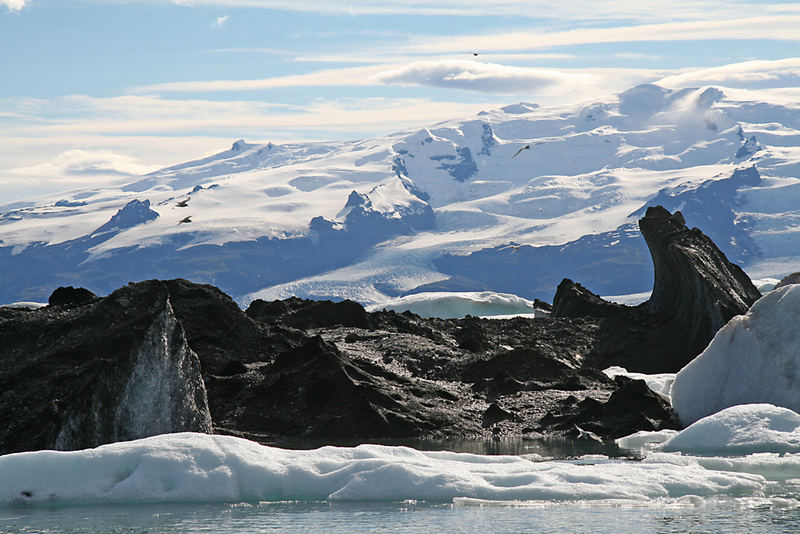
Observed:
{"x":97,"y":91}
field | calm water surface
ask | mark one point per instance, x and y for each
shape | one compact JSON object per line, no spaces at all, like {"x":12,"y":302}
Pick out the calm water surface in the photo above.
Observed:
{"x":400,"y":517}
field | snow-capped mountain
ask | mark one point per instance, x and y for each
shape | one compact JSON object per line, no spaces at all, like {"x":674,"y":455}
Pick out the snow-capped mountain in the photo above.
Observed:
{"x":510,"y":200}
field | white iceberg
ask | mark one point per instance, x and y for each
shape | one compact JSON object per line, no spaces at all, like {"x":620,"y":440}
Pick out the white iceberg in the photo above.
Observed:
{"x":755,"y":358}
{"x":744,"y":429}
{"x":191,"y":467}
{"x":450,"y":305}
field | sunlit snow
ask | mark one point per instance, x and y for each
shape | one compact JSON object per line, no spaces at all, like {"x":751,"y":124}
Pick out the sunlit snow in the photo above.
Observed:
{"x":755,"y":358}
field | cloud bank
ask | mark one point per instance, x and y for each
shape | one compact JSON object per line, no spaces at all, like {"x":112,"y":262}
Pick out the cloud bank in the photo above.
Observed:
{"x":619,"y":10}
{"x":476,"y":76}
{"x":13,"y":5}
{"x":745,"y":75}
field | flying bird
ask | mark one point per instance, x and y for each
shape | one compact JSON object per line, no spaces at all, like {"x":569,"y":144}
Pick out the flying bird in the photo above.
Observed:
{"x":525,"y":148}
{"x":186,"y":219}
{"x":183,"y":203}
{"x":520,"y":150}
{"x":475,"y":54}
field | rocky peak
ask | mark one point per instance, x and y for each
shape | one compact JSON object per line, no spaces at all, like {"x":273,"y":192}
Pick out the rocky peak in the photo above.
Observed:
{"x":696,"y":290}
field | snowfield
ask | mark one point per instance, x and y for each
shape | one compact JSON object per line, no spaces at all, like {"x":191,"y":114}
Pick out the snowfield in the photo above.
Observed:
{"x":445,"y":208}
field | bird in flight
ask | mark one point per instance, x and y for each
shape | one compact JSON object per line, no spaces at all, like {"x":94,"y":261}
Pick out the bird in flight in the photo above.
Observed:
{"x":475,"y":54}
{"x":186,"y":219}
{"x":183,"y":203}
{"x":525,"y":148}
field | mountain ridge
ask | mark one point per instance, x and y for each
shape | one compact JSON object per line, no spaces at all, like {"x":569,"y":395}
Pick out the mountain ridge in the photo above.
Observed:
{"x":377,"y":218}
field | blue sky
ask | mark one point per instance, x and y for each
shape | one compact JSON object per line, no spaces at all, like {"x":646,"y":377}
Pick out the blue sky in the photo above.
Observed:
{"x":96,"y":90}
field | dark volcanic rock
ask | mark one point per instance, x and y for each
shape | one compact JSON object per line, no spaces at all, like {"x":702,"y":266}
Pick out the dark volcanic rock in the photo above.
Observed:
{"x":115,"y":369}
{"x":695,"y":286}
{"x":315,"y":391}
{"x":70,"y":296}
{"x":630,"y":408}
{"x":165,"y":356}
{"x":218,"y":330}
{"x":793,"y":278}
{"x":536,"y":371}
{"x":574,"y":300}
{"x":696,"y":291}
{"x":305,"y":314}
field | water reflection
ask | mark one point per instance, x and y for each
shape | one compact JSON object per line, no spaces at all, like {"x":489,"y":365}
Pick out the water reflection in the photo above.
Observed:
{"x":549,"y":448}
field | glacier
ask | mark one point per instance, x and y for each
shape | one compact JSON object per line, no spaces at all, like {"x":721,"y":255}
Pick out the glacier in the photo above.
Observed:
{"x":443,"y":208}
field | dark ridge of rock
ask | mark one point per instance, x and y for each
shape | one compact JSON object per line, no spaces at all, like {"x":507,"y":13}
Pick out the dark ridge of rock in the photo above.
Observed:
{"x":632,"y":407}
{"x":314,"y":391}
{"x":111,"y":370}
{"x":70,"y":296}
{"x":470,"y":335}
{"x":696,"y":291}
{"x":789,"y":279}
{"x":542,"y":305}
{"x":574,"y":300}
{"x":133,"y":213}
{"x":267,"y":312}
{"x":218,"y":330}
{"x":692,"y":276}
{"x":308,"y":314}
{"x":146,"y":359}
{"x":536,"y":371}
{"x":494,"y":414}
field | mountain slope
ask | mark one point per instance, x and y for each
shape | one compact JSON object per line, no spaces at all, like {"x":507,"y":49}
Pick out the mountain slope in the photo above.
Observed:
{"x":377,"y":218}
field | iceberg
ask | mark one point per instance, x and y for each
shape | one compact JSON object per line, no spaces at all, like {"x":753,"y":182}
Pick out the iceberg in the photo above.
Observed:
{"x":755,"y":358}
{"x":451,"y":305}
{"x":744,"y":429}
{"x":191,"y":467}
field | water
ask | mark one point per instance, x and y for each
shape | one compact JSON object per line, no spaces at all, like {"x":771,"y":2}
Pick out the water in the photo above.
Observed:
{"x":752,"y":516}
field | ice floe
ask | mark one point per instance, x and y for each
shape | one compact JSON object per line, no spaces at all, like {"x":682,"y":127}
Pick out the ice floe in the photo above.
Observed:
{"x":191,"y":467}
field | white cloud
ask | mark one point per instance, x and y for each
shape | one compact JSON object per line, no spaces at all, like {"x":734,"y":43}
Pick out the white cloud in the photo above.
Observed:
{"x":52,"y":144}
{"x":763,"y":27}
{"x":477,"y":76}
{"x":746,"y":75}
{"x":330,"y":77}
{"x":621,"y":10}
{"x":13,"y":5}
{"x":145,"y":115}
{"x":220,"y":22}
{"x":551,"y":87}
{"x":558,"y":86}
{"x":391,"y":55}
